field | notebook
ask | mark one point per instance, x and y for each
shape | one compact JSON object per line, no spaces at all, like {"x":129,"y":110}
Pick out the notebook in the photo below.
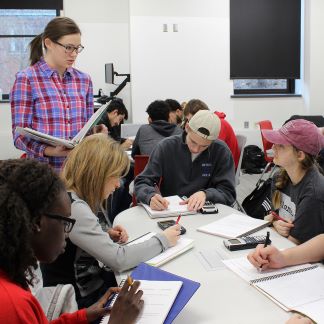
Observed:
{"x":297,"y":288}
{"x":55,"y":141}
{"x":234,"y":225}
{"x":189,"y":287}
{"x":174,"y":208}
{"x":158,"y":297}
{"x":184,"y":244}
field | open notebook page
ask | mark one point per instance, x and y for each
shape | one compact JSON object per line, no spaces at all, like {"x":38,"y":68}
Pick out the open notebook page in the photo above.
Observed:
{"x":182,"y":245}
{"x":174,"y":208}
{"x":158,"y":297}
{"x":242,"y":267}
{"x":233,"y":225}
{"x":296,"y":289}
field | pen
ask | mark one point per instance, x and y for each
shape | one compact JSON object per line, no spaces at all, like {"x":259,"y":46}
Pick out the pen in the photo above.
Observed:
{"x":177,"y":222}
{"x":267,"y":241}
{"x":277,"y":217}
{"x":130,"y":280}
{"x":157,"y":189}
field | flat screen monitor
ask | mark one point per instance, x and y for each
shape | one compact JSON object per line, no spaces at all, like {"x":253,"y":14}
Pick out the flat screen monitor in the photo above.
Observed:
{"x":109,"y":73}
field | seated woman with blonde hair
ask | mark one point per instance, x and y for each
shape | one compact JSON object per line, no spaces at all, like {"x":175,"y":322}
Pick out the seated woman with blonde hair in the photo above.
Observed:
{"x":91,"y":173}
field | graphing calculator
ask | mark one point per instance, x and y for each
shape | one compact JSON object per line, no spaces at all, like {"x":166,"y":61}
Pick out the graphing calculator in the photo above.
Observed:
{"x":167,"y":223}
{"x":209,"y":208}
{"x":242,"y":243}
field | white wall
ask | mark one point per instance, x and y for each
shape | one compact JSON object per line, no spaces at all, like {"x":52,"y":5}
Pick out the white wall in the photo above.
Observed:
{"x":105,"y":35}
{"x":195,"y":61}
{"x":191,"y":63}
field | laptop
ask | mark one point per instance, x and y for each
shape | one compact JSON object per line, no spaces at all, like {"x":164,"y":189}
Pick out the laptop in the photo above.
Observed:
{"x":129,"y":130}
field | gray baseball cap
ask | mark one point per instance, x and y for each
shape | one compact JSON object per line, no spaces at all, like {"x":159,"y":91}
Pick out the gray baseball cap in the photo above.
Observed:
{"x":205,"y":124}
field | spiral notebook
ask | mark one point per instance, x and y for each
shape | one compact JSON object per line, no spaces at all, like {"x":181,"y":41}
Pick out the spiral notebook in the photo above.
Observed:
{"x":298,"y":288}
{"x":234,"y":225}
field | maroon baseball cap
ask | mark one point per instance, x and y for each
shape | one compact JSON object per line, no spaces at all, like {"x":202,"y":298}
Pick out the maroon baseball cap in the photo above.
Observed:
{"x":301,"y":133}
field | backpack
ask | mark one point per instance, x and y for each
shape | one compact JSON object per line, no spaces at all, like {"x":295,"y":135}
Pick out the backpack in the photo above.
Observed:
{"x":258,"y":203}
{"x":253,"y":159}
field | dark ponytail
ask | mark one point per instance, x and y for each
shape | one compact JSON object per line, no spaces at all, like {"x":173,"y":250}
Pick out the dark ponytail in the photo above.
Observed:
{"x":36,"y":51}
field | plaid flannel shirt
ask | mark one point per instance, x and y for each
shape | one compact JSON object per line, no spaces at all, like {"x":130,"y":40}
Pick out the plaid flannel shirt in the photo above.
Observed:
{"x":43,"y":101}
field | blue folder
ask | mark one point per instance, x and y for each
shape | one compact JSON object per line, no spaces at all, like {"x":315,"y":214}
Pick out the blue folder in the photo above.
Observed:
{"x":189,"y":287}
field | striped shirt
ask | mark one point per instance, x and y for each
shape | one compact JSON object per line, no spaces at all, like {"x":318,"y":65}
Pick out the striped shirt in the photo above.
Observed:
{"x":43,"y":101}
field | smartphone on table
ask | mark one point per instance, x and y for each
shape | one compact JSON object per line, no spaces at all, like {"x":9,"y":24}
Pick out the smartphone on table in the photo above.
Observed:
{"x":167,"y":223}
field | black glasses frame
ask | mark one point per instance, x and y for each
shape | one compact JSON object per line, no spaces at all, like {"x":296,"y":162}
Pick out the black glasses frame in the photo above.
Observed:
{"x":70,"y":48}
{"x":67,"y":221}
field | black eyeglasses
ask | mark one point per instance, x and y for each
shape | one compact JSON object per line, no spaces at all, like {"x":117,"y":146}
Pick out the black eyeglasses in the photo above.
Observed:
{"x":70,"y":48}
{"x":67,"y":221}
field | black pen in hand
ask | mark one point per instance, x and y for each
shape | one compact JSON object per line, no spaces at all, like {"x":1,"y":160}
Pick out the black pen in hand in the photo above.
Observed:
{"x":266,"y":243}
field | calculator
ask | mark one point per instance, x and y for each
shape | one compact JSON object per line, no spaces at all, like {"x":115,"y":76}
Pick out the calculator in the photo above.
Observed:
{"x":167,"y":223}
{"x":209,"y":208}
{"x":246,"y":242}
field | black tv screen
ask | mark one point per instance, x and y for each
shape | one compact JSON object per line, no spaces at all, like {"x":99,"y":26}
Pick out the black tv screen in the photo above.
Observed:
{"x":109,"y":73}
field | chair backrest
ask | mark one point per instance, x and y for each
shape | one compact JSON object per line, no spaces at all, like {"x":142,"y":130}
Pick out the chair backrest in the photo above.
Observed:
{"x":266,"y":124}
{"x":140,"y":162}
{"x":241,"y":141}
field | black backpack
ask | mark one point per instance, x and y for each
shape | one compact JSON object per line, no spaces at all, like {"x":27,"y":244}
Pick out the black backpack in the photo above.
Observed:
{"x":258,"y":203}
{"x":253,"y":159}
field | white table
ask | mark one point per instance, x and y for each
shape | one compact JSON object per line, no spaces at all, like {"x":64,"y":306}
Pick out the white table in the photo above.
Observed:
{"x":223,"y":297}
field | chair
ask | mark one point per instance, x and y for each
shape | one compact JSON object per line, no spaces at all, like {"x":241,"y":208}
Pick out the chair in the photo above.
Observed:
{"x":267,"y":146}
{"x":140,"y":162}
{"x":241,"y":141}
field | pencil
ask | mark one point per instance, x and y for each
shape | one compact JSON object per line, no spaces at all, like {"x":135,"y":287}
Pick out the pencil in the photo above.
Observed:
{"x":130,"y":280}
{"x":266,"y":243}
{"x":277,"y":217}
{"x":178,"y":219}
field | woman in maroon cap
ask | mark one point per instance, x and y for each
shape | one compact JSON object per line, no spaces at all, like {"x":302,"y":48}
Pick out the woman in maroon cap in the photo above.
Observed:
{"x":298,"y":188}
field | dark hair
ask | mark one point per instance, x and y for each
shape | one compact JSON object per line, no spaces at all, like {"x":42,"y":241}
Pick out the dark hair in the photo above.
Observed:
{"x":158,"y":110}
{"x":27,"y":189}
{"x":54,"y":30}
{"x":173,"y":104}
{"x":193,"y":106}
{"x":118,"y":104}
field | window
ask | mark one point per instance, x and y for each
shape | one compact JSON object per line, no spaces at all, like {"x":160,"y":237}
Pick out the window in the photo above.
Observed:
{"x":18,"y":27}
{"x":265,"y":37}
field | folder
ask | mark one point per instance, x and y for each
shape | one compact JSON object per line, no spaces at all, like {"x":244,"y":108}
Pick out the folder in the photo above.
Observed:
{"x":189,"y":287}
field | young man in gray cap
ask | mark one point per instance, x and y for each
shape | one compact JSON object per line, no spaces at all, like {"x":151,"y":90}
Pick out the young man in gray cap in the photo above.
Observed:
{"x":194,"y":164}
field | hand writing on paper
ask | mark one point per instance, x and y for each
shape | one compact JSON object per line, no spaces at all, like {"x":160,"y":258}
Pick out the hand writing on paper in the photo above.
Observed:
{"x":196,"y":201}
{"x":118,"y":234}
{"x":172,"y":234}
{"x":157,"y":202}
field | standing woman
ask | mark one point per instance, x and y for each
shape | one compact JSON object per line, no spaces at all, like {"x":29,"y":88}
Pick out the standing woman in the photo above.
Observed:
{"x":298,"y":195}
{"x":92,"y":172}
{"x":34,"y":221}
{"x":51,"y":96}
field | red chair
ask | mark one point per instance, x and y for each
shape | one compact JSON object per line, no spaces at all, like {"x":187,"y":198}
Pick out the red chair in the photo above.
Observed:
{"x":140,"y":162}
{"x":23,"y":156}
{"x":267,"y":146}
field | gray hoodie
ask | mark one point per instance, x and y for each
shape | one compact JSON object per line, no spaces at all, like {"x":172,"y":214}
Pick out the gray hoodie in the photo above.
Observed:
{"x":149,"y":135}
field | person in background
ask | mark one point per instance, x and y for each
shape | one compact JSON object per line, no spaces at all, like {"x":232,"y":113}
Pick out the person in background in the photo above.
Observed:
{"x":194,"y":164}
{"x":226,"y":133}
{"x":115,"y":116}
{"x":93,"y":240}
{"x":298,"y":188}
{"x":271,"y":258}
{"x":51,"y":96}
{"x":158,"y":128}
{"x":176,"y":111}
{"x":34,"y":221}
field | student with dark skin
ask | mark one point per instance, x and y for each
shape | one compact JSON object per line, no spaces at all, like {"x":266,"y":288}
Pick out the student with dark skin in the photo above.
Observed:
{"x":34,"y":221}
